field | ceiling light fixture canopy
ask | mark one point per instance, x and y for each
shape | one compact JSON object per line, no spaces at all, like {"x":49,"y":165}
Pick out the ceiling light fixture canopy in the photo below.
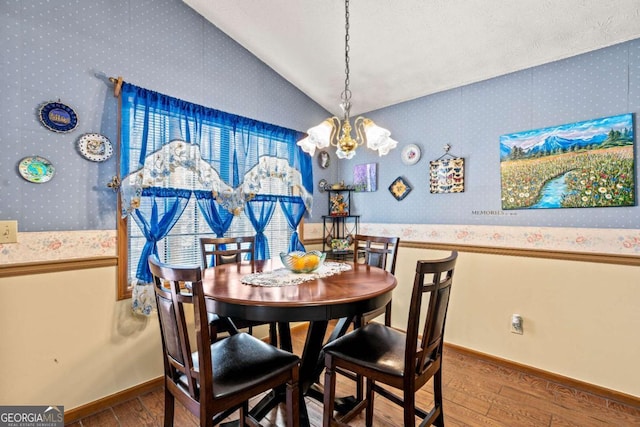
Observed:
{"x":337,"y":132}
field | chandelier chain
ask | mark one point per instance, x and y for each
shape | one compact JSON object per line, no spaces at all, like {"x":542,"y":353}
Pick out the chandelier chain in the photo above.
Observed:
{"x":346,"y":95}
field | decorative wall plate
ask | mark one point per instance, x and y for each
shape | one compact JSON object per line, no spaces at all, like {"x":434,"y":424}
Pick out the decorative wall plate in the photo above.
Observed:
{"x":410,"y":154}
{"x":58,"y":117}
{"x":95,"y":147}
{"x":322,"y":185}
{"x":400,"y":188}
{"x":36,"y":169}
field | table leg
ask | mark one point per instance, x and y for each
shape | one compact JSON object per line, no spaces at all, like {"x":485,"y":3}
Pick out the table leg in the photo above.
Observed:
{"x":284,"y":330}
{"x":311,"y":366}
{"x":308,"y":369}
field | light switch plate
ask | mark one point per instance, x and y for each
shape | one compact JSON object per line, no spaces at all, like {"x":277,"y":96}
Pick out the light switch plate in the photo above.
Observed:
{"x":8,"y":231}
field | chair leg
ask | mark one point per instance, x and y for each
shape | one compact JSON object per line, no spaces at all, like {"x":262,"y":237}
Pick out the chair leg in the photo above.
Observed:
{"x":409,"y":408}
{"x":168,"y":407}
{"x":329,"y":392}
{"x":359,"y":388}
{"x":293,"y":403}
{"x":437,"y":397}
{"x":243,"y":414}
{"x":387,"y":314}
{"x":369,"y":410}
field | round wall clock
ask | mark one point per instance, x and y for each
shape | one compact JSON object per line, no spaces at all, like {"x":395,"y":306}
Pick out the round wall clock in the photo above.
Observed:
{"x":410,"y":154}
{"x":58,"y":117}
{"x":95,"y":147}
{"x":36,"y":169}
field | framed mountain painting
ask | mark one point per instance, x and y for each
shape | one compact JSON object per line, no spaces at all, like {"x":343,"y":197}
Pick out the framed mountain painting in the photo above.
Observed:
{"x":577,"y":165}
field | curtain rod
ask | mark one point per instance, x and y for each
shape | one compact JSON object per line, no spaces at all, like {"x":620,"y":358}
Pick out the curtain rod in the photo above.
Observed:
{"x":117,"y":85}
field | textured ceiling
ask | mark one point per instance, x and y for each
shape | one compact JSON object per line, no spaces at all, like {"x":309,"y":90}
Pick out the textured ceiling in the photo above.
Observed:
{"x":404,"y":49}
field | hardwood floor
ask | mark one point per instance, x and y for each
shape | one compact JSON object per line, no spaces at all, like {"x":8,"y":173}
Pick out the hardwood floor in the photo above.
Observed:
{"x":476,"y":393}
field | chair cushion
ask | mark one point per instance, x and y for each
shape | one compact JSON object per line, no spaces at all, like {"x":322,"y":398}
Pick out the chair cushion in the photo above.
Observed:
{"x":242,"y":361}
{"x":374,"y":346}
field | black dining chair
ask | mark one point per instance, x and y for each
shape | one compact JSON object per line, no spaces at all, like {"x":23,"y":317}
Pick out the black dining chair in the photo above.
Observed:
{"x":405,"y":361}
{"x":226,"y":250}
{"x":381,"y":252}
{"x":218,"y":378}
{"x":376,"y":251}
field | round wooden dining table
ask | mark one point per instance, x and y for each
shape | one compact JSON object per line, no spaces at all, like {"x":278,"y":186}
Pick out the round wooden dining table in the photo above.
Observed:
{"x":342,"y":296}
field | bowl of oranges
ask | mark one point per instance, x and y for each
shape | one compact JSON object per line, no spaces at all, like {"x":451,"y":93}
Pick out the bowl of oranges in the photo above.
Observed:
{"x":302,"y":262}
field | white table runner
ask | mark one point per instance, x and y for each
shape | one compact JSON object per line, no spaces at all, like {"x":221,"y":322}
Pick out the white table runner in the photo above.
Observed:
{"x":284,"y":277}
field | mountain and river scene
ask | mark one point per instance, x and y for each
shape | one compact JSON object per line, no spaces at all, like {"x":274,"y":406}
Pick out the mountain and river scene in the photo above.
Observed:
{"x":577,"y":165}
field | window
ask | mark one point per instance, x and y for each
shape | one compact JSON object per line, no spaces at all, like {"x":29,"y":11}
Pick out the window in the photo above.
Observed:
{"x":189,"y":171}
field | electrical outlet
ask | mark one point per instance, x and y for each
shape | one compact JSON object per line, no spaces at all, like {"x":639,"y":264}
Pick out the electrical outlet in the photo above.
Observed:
{"x":8,"y":231}
{"x":516,"y":324}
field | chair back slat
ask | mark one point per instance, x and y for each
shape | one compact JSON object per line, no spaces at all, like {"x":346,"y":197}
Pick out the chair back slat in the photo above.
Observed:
{"x":381,"y":252}
{"x":226,"y":250}
{"x":178,"y":289}
{"x":378,"y":251}
{"x":432,"y":281}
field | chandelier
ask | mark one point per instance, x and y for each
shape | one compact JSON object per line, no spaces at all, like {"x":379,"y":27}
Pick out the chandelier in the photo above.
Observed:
{"x":337,"y":132}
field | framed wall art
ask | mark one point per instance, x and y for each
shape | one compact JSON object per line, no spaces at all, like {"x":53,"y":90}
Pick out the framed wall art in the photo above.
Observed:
{"x":576,"y":165}
{"x":446,"y":175}
{"x":324,"y":159}
{"x":365,"y":177}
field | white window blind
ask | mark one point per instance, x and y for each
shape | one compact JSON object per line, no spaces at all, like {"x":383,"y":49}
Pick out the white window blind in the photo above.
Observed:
{"x":181,"y":246}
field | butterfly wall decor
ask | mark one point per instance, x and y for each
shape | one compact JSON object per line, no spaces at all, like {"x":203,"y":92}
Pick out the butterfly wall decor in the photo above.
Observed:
{"x":446,"y":175}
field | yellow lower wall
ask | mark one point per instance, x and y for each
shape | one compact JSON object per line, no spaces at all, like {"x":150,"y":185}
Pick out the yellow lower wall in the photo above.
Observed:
{"x":65,"y":340}
{"x":581,"y":320}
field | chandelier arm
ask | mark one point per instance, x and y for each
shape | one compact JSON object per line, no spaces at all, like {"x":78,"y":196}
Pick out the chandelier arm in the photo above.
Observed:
{"x":361,"y":136}
{"x":336,"y":126}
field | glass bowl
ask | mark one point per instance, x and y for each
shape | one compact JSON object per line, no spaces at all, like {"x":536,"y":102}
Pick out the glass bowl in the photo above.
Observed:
{"x":302,"y":262}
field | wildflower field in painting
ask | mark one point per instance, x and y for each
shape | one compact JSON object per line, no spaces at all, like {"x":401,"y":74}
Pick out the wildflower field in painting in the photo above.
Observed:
{"x":585,"y":164}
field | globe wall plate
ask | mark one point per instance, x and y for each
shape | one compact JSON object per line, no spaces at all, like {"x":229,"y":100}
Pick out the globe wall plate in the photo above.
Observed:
{"x":36,"y":169}
{"x":58,"y":117}
{"x":95,"y":147}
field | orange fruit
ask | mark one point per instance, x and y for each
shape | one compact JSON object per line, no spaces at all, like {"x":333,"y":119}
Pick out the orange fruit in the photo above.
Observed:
{"x":311,"y":261}
{"x":298,"y":263}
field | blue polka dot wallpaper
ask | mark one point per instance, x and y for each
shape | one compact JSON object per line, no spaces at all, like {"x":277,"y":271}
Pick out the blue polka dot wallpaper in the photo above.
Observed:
{"x":66,"y":50}
{"x":471,"y":120}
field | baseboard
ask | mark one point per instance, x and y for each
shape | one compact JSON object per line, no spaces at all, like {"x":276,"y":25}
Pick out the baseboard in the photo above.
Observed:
{"x":96,"y":406}
{"x":603,"y":392}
